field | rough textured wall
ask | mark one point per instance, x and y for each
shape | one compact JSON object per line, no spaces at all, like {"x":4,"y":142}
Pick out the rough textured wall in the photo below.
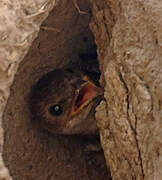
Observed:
{"x":19,"y":26}
{"x":129,"y":38}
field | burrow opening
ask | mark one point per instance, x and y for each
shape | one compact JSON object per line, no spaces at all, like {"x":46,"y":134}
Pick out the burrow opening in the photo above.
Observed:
{"x":34,"y":154}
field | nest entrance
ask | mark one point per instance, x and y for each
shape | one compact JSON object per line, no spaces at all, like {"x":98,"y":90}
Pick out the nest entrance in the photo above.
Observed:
{"x":31,"y":153}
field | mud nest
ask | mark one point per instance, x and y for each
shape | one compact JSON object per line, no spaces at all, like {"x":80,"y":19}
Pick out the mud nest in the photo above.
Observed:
{"x":31,"y":153}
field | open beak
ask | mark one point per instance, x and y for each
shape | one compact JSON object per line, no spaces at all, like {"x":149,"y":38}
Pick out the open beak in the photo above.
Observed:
{"x":87,"y":92}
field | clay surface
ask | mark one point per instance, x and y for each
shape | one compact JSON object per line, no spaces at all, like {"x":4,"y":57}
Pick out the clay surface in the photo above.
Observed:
{"x":129,"y":38}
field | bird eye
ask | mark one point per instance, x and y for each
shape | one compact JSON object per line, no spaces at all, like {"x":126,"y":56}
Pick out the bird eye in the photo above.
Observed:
{"x":55,"y":110}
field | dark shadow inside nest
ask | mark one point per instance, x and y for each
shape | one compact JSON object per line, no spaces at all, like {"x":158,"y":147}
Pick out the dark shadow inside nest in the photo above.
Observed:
{"x":89,"y":146}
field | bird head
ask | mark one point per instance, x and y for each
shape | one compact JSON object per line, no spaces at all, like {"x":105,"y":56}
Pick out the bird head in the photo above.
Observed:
{"x":62,"y":101}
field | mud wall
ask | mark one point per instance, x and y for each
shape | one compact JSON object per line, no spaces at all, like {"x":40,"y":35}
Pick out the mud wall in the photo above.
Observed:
{"x":129,"y":38}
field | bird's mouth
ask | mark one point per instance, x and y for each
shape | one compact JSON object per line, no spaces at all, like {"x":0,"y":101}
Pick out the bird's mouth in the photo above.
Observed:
{"x":87,"y":92}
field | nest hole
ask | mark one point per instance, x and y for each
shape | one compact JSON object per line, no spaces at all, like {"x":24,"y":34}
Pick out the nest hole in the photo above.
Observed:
{"x":34,"y":154}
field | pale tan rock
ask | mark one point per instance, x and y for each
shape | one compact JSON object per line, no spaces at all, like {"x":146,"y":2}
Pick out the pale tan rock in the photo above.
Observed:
{"x":128,"y":34}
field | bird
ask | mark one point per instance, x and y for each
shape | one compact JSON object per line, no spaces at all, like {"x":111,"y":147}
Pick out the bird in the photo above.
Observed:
{"x":63,"y":101}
